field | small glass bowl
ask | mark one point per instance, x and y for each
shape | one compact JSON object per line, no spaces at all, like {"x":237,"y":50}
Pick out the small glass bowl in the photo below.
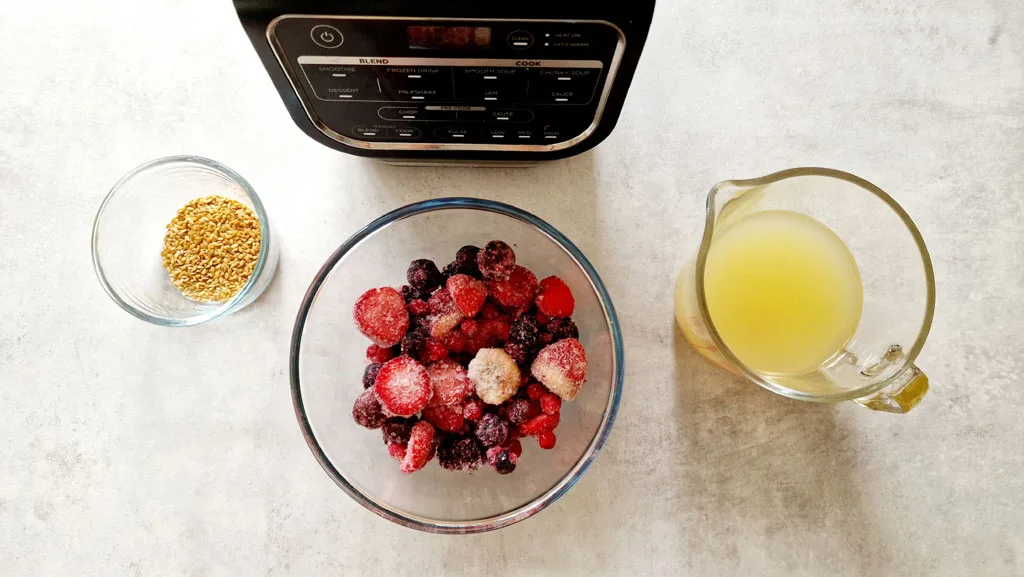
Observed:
{"x":128,"y":236}
{"x":328,"y":356}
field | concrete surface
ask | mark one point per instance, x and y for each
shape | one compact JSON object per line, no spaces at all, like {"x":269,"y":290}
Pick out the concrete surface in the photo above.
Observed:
{"x":127,"y":449}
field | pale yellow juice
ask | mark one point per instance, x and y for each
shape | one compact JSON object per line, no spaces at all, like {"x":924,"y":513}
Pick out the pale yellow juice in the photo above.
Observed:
{"x":783,"y":291}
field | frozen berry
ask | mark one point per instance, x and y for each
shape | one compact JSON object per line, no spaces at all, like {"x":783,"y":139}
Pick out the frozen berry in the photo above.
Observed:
{"x":497,"y":330}
{"x":423,"y":275}
{"x":562,"y":368}
{"x":455,"y":341}
{"x":473,"y":410}
{"x":539,"y":424}
{"x":491,"y":430}
{"x":397,"y":451}
{"x":524,"y":332}
{"x":546,"y":440}
{"x":444,"y":314}
{"x":376,"y":354}
{"x":413,"y":343}
{"x":496,"y":260}
{"x":434,"y":351}
{"x":418,"y":307}
{"x":370,"y":374}
{"x":491,"y":311}
{"x":518,"y":352}
{"x":542,"y":319}
{"x":503,"y":462}
{"x":397,"y":429}
{"x":412,"y":294}
{"x":468,"y":293}
{"x":458,"y":453}
{"x":518,"y":410}
{"x":535,"y":391}
{"x":469,"y":327}
{"x":515,"y":447}
{"x":403,"y":386}
{"x":464,"y":263}
{"x":494,"y":374}
{"x":367,"y":410}
{"x":420,"y":448}
{"x":550,"y":403}
{"x":562,"y":328}
{"x":380,"y":314}
{"x":444,"y":417}
{"x":555,"y":298}
{"x":517,"y":291}
{"x":449,"y":382}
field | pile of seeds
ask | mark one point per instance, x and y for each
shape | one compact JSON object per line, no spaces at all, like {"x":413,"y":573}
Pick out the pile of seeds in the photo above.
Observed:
{"x":211,"y":248}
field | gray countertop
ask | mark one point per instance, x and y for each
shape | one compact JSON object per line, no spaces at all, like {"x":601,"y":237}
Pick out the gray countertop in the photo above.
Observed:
{"x":127,"y":449}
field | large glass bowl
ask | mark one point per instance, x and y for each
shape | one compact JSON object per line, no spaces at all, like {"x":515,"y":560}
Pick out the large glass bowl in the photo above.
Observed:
{"x":328,"y":356}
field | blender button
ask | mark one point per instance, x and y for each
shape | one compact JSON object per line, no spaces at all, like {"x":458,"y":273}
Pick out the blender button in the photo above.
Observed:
{"x":326,"y":36}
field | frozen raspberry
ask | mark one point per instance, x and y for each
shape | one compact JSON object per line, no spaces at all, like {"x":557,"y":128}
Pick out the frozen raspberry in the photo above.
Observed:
{"x":562,"y":368}
{"x":524,"y":332}
{"x":444,"y":314}
{"x":469,"y":327}
{"x":450,"y":383}
{"x":444,"y":417}
{"x":519,"y":410}
{"x":370,"y":374}
{"x":535,"y":391}
{"x":458,"y":453}
{"x":380,"y":314}
{"x":555,"y":298}
{"x":455,"y":341}
{"x":367,"y":410}
{"x":546,"y":440}
{"x":411,"y":294}
{"x":464,"y":263}
{"x":413,"y":343}
{"x":403,"y":386}
{"x":434,"y":351}
{"x":423,"y":275}
{"x":539,"y":424}
{"x":473,"y":410}
{"x":515,"y":447}
{"x":491,"y":430}
{"x":397,"y":451}
{"x":420,"y":449}
{"x":497,"y":330}
{"x":468,"y":293}
{"x":517,"y":291}
{"x":491,"y":311}
{"x":418,"y":308}
{"x":397,"y":430}
{"x":376,"y":354}
{"x":561,"y":328}
{"x":496,"y":260}
{"x":495,"y":375}
{"x":518,"y":352}
{"x":550,"y":403}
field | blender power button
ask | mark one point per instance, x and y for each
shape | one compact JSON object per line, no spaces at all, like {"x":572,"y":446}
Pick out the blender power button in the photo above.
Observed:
{"x":326,"y":36}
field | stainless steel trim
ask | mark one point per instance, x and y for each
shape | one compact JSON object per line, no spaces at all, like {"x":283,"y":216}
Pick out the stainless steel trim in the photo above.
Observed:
{"x":613,"y":68}
{"x":478,"y":62}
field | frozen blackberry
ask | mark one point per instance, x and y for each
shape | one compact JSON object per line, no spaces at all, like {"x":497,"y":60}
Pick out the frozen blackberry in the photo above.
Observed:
{"x":491,"y":430}
{"x":503,"y":463}
{"x":370,"y":374}
{"x":423,"y":275}
{"x":518,"y":352}
{"x":562,"y":328}
{"x":367,"y":410}
{"x":524,"y":332}
{"x":413,"y":343}
{"x":496,"y":260}
{"x":464,"y":263}
{"x":411,"y":294}
{"x":458,"y":453}
{"x":397,"y":430}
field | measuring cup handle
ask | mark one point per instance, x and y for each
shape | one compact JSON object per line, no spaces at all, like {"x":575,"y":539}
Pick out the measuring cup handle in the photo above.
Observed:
{"x":904,"y":392}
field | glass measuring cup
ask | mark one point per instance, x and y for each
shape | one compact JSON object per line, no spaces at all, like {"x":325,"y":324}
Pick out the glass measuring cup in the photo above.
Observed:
{"x":876,"y":367}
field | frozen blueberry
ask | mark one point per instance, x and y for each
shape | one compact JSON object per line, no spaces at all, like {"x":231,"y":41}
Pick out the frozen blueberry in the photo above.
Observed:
{"x":496,"y":260}
{"x":491,"y":430}
{"x":423,"y":275}
{"x":464,"y":263}
{"x":503,"y":463}
{"x":370,"y":374}
{"x":458,"y":453}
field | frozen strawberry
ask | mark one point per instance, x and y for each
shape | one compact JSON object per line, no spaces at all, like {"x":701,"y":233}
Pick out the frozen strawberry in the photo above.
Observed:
{"x":555,"y":298}
{"x":468,"y":293}
{"x":494,"y":374}
{"x":380,"y":314}
{"x":539,"y":424}
{"x":418,"y":308}
{"x":535,"y":391}
{"x":450,"y":383}
{"x":444,"y":314}
{"x":376,"y":354}
{"x":367,"y":410}
{"x":444,"y":417}
{"x":546,"y":440}
{"x":473,"y":410}
{"x":517,"y":291}
{"x":550,"y":403}
{"x":562,"y":368}
{"x":496,"y":260}
{"x":420,"y":449}
{"x":403,"y":386}
{"x":397,"y":451}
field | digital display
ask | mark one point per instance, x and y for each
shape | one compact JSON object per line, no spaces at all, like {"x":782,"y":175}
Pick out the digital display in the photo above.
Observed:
{"x":449,"y":37}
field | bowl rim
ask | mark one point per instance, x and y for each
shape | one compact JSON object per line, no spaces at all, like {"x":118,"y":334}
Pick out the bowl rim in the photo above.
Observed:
{"x":228,"y":305}
{"x":554,"y":492}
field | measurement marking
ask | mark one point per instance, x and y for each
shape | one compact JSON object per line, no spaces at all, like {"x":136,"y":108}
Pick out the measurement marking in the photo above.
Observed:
{"x":417,"y":98}
{"x":339,"y":75}
{"x":524,"y":136}
{"x":561,"y":100}
{"x":415,"y":76}
{"x":550,"y":136}
{"x":490,"y":97}
{"x":490,"y":77}
{"x":408,"y":117}
{"x":344,"y":96}
{"x":564,"y":78}
{"x":519,"y":43}
{"x":458,"y":136}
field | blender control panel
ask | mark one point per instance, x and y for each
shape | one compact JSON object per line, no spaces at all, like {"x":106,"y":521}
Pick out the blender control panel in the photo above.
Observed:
{"x":398,"y":83}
